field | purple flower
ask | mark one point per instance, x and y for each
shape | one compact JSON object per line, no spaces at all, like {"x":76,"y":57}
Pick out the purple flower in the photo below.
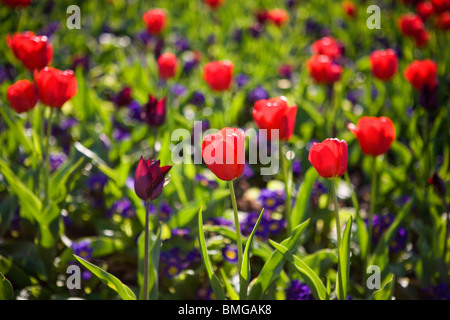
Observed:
{"x":49,"y":29}
{"x":271,"y":199}
{"x":134,"y":111}
{"x":285,"y":71}
{"x":298,"y":291}
{"x":380,"y":223}
{"x":267,"y":226}
{"x":182,"y":233}
{"x":248,"y":171}
{"x":257,"y":94}
{"x":220,"y":221}
{"x":122,"y":207}
{"x":56,"y":160}
{"x":296,"y":168}
{"x":197,"y":99}
{"x":172,"y":269}
{"x":182,"y":44}
{"x":241,"y":80}
{"x":80,"y":61}
{"x":189,"y":65}
{"x":230,"y":253}
{"x":440,"y":291}
{"x":178,"y":89}
{"x":83,"y":249}
{"x":97,"y":182}
{"x":256,"y":30}
{"x":205,"y":182}
{"x":165,"y":211}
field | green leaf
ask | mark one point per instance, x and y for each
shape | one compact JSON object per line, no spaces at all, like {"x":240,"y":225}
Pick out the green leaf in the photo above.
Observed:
{"x":386,"y":292}
{"x":298,"y":212}
{"x":6,"y":289}
{"x":381,"y":254}
{"x":233,"y":295}
{"x":28,"y":201}
{"x":309,"y":276}
{"x":124,"y":292}
{"x":58,"y":181}
{"x":215,"y":282}
{"x":245,"y":268}
{"x":273,"y":267}
{"x":344,"y":262}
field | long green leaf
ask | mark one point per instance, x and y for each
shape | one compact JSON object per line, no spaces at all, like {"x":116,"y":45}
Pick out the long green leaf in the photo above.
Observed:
{"x":6,"y":289}
{"x":245,"y":268}
{"x":309,"y":276}
{"x":215,"y":282}
{"x":28,"y":201}
{"x":273,"y":267}
{"x":386,"y":292}
{"x":124,"y":292}
{"x":302,"y":200}
{"x":230,"y":290}
{"x":344,"y":262}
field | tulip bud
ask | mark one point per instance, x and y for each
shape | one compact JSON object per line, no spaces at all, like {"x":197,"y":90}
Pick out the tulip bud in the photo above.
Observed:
{"x":167,"y":65}
{"x":375,"y":135}
{"x":22,"y":96}
{"x":218,"y":75}
{"x":154,"y":111}
{"x":384,"y":64}
{"x":224,"y":153}
{"x":323,"y":70}
{"x":329,"y":157}
{"x":275,"y":114}
{"x":156,"y":20}
{"x":35,"y":52}
{"x":55,"y":87}
{"x":150,"y":178}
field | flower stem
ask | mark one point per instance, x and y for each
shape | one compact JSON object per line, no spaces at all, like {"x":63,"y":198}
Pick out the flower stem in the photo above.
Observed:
{"x":238,"y":228}
{"x":146,"y":248}
{"x":373,"y":200}
{"x":338,"y":232}
{"x":47,"y":158}
{"x":288,"y":187}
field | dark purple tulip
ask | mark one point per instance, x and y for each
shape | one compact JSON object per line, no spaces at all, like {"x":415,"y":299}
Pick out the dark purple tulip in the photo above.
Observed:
{"x":123,"y":98}
{"x":154,"y":111}
{"x":197,"y":99}
{"x":438,"y":184}
{"x":241,"y":80}
{"x":150,"y":179}
{"x":429,"y":97}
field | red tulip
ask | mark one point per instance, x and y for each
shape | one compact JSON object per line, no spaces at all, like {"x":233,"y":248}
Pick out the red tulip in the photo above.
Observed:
{"x":167,"y":65}
{"x":329,"y":157}
{"x":424,"y":9}
{"x":22,"y":96}
{"x":214,"y":3}
{"x":150,"y":179}
{"x":375,"y":135}
{"x":349,"y":8}
{"x":156,"y":20}
{"x":410,"y":24}
{"x":278,"y":16}
{"x":443,"y":21}
{"x":218,"y":74}
{"x":154,"y":111}
{"x":35,"y":52}
{"x":224,"y":153}
{"x":55,"y":87}
{"x":422,"y":72}
{"x":441,"y":6}
{"x":275,"y":114}
{"x":327,"y":46}
{"x":17,"y":3}
{"x":384,"y":64}
{"x":323,"y":70}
